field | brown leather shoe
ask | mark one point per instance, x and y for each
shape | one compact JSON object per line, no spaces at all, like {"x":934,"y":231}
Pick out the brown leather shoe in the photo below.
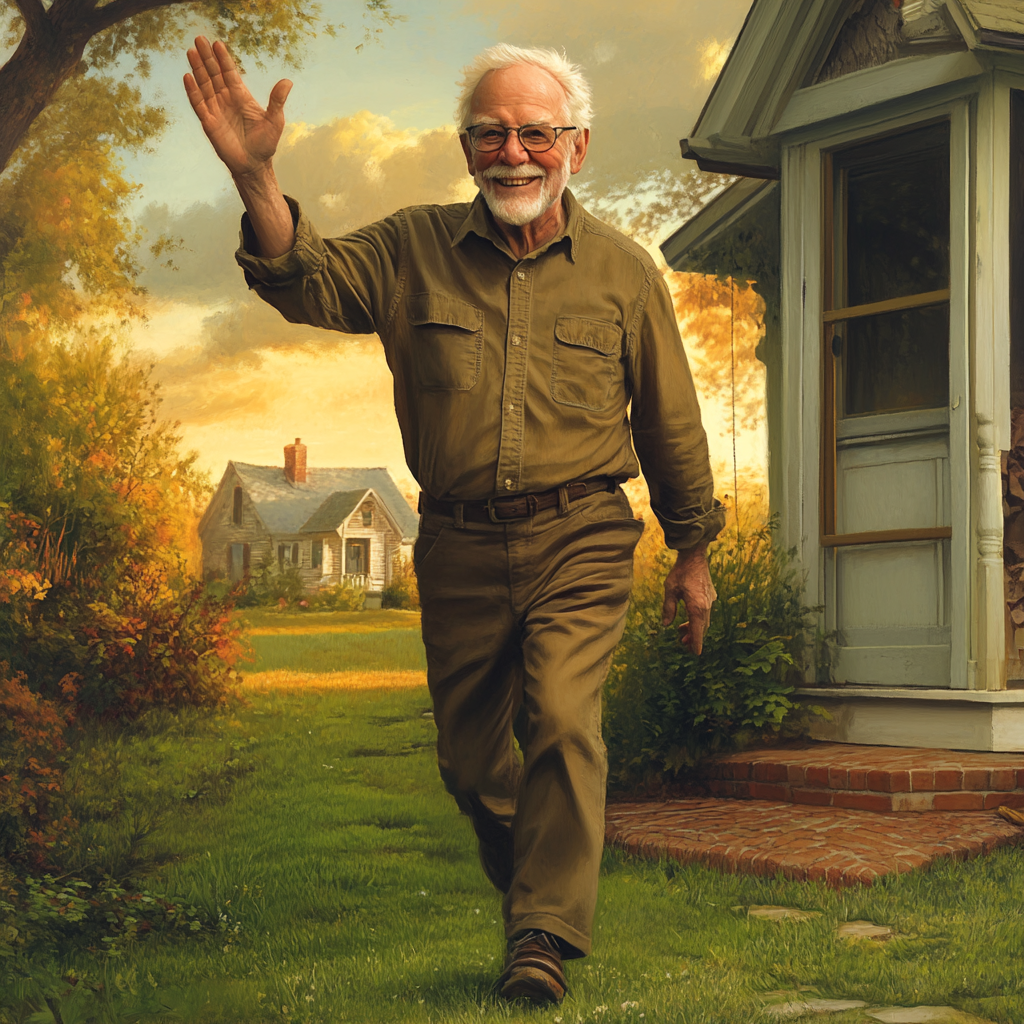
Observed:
{"x":533,"y":969}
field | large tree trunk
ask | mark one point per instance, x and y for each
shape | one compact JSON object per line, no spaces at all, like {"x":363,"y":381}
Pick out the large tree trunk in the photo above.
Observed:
{"x":41,"y":64}
{"x":48,"y":53}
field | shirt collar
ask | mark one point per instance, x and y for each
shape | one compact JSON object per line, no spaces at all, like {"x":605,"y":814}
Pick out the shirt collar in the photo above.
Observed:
{"x":479,"y":221}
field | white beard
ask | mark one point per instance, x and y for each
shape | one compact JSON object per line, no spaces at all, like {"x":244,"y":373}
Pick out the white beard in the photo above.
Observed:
{"x":512,"y":209}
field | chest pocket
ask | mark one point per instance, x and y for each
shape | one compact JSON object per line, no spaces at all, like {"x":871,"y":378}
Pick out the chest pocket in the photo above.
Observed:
{"x":586,"y":368}
{"x":446,"y":341}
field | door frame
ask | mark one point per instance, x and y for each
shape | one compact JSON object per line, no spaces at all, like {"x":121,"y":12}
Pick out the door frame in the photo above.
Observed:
{"x":803,"y":275}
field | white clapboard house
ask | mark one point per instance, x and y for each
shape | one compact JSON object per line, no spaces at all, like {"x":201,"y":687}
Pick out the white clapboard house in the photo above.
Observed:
{"x":879,"y":206}
{"x":331,"y":525}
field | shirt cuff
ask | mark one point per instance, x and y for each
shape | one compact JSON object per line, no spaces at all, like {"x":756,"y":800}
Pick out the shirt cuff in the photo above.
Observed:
{"x":305,"y":257}
{"x":696,"y":525}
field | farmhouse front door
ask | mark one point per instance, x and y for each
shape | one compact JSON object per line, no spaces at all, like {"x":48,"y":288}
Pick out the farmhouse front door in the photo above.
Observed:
{"x":357,"y":557}
{"x":887,"y":483}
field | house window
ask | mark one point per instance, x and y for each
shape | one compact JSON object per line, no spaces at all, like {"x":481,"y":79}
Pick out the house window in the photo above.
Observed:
{"x":295,"y":554}
{"x":316,"y":554}
{"x":287,"y":556}
{"x":367,"y":516}
{"x":890,"y":274}
{"x":357,"y":557}
{"x":236,"y":507}
{"x":885,"y":322}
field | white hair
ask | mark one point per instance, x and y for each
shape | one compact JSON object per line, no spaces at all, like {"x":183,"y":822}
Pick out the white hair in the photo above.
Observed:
{"x":568,"y":75}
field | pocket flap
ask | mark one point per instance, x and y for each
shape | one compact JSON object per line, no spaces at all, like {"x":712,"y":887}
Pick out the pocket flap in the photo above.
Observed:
{"x":600,"y":335}
{"x":438,"y":308}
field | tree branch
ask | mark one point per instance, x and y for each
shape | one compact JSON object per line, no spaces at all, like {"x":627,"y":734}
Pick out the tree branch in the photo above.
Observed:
{"x":120,"y":10}
{"x":33,"y":14}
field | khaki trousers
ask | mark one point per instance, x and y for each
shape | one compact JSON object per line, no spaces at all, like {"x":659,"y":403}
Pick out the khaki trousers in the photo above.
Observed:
{"x":519,"y":622}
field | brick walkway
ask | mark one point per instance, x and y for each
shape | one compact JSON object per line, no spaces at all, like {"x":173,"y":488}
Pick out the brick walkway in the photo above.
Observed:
{"x":871,"y":778}
{"x":837,"y":845}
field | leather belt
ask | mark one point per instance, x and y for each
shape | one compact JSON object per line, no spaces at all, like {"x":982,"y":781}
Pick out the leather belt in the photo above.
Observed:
{"x":519,"y":506}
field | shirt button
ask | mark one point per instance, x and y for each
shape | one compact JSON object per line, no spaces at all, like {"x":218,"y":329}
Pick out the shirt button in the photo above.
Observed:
{"x":511,"y":407}
{"x":508,"y":484}
{"x":516,"y":339}
{"x":521,"y":275}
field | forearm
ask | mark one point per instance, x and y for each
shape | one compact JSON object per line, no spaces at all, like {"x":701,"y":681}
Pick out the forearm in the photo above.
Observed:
{"x":269,"y":214}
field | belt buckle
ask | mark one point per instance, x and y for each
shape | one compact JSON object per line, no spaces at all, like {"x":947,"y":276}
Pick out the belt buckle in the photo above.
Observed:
{"x":492,"y":512}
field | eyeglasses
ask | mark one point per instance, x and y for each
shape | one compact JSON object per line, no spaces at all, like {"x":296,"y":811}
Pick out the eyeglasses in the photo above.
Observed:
{"x":534,"y":138}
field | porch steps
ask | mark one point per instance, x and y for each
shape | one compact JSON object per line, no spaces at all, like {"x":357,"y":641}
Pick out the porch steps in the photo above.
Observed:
{"x":880,"y":779}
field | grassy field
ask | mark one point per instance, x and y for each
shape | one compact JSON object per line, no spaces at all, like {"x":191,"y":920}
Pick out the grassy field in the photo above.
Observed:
{"x":345,"y":887}
{"x":335,"y":641}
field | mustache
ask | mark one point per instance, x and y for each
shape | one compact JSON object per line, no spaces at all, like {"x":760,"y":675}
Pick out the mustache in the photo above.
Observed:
{"x":504,"y":171}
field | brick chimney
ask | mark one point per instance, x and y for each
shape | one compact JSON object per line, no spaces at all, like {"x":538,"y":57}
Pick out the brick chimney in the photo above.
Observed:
{"x":295,"y":462}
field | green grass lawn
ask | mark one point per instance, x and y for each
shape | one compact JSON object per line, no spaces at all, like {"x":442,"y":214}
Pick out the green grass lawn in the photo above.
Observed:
{"x":347,"y":888}
{"x":379,"y":650}
{"x":355,"y":622}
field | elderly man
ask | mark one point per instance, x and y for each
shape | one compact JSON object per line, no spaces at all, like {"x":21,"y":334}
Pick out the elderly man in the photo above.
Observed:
{"x":518,"y":329}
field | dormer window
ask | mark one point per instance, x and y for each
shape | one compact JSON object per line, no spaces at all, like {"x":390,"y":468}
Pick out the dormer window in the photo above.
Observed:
{"x":236,"y":507}
{"x":367,"y":516}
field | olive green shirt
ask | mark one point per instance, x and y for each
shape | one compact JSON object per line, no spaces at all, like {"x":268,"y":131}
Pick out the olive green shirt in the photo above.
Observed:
{"x":512,"y":376}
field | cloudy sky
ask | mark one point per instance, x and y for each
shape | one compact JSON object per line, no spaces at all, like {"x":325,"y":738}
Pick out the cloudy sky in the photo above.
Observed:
{"x":369,"y":132}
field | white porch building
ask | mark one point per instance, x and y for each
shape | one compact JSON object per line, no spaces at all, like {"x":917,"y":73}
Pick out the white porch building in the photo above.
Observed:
{"x":880,"y":210}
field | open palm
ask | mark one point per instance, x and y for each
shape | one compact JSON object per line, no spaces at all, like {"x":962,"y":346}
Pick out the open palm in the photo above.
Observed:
{"x":244,"y":135}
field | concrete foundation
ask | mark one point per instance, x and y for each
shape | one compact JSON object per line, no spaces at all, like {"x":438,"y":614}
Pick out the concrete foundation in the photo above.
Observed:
{"x":950,"y":719}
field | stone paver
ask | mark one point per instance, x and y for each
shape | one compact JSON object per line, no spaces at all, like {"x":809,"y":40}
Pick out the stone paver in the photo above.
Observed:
{"x":830,"y":844}
{"x":864,"y":930}
{"x":924,"y":1015}
{"x":795,"y":1009}
{"x":782,"y":913}
{"x":870,"y":778}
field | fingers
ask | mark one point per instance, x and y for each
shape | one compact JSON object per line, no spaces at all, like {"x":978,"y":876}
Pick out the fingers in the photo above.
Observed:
{"x":278,"y":95}
{"x":691,"y":636}
{"x":195,"y":97}
{"x":668,"y":609}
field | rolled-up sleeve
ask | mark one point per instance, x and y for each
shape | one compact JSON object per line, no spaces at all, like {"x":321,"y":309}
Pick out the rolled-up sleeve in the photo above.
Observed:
{"x":666,"y":425}
{"x":344,"y":284}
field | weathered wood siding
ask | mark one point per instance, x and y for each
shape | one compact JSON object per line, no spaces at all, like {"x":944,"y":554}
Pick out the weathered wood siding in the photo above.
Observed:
{"x":384,"y":542}
{"x":219,"y":531}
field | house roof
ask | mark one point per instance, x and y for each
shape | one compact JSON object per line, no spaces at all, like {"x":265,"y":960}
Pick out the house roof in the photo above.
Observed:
{"x":781,"y":47}
{"x":728,"y":207}
{"x":1002,"y":16}
{"x":334,"y":511}
{"x":285,"y":507}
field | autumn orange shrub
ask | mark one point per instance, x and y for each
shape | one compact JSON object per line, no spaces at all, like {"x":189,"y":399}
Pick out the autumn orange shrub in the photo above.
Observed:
{"x":32,"y":743}
{"x":99,"y":611}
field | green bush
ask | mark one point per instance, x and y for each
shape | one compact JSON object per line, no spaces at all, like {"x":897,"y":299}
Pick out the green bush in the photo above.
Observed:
{"x":402,"y":592}
{"x":339,"y":598}
{"x":666,"y":709}
{"x":267,"y":586}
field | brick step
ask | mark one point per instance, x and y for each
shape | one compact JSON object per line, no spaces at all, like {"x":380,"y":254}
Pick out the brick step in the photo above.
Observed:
{"x":870,"y":778}
{"x":833,"y":845}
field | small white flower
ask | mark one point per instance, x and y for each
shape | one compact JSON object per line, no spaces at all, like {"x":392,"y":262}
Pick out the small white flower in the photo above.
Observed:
{"x":629,"y":1005}
{"x":600,"y":1009}
{"x":423,"y":892}
{"x":668,"y":974}
{"x":558,"y":1020}
{"x":476,"y":910}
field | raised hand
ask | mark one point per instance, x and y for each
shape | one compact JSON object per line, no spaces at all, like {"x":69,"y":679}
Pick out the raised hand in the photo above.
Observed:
{"x":244,"y":135}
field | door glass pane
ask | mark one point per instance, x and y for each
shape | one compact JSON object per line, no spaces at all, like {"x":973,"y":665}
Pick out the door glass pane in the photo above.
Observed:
{"x":893,"y":217}
{"x":894,"y":361}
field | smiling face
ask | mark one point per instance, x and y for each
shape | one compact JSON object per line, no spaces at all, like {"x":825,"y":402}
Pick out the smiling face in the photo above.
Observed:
{"x":520,"y":187}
